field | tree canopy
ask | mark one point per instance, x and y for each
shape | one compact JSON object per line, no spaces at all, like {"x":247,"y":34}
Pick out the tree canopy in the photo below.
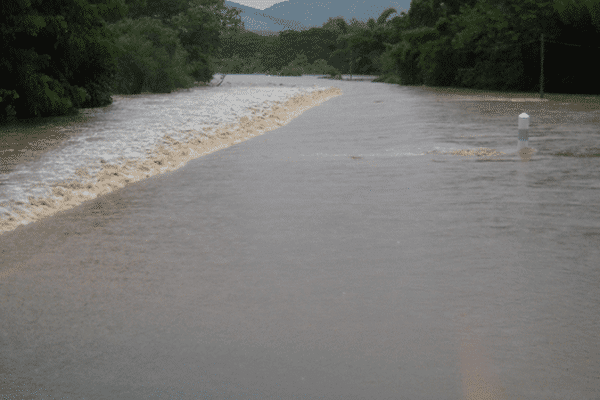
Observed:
{"x":49,"y":51}
{"x":60,"y":55}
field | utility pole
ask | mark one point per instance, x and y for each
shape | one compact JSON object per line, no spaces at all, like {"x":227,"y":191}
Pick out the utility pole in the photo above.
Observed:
{"x":351,"y":59}
{"x":542,"y":70}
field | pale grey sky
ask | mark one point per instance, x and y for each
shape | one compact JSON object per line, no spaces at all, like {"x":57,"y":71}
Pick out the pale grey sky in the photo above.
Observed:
{"x":260,"y":4}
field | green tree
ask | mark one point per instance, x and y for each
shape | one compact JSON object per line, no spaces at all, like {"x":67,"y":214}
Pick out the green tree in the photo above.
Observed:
{"x":270,"y":55}
{"x":288,"y":46}
{"x":110,"y":10}
{"x":199,"y":32}
{"x":490,"y":41}
{"x":319,"y":67}
{"x":160,"y":9}
{"x":389,"y":59}
{"x":300,"y":61}
{"x":55,"y":56}
{"x":231,"y":65}
{"x":346,"y":44}
{"x":373,"y":45}
{"x":364,"y":43}
{"x":150,"y":57}
{"x":200,"y":25}
{"x":239,"y":65}
{"x":580,"y":13}
{"x":337,"y":58}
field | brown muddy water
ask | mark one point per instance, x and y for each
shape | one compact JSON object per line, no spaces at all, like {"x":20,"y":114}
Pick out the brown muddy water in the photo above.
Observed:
{"x":386,"y":244}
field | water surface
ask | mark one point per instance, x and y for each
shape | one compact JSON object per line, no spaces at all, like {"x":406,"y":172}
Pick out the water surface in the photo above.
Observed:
{"x":342,"y":256}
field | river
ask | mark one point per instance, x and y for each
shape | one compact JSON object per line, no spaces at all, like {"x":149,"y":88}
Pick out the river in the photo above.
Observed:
{"x":366,"y":249}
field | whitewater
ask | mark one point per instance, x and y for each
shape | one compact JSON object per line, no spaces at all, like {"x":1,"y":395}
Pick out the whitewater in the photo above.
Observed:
{"x":122,"y":143}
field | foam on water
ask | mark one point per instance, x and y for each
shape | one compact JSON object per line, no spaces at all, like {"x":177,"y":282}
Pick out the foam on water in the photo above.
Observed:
{"x":398,"y":154}
{"x":122,"y":136}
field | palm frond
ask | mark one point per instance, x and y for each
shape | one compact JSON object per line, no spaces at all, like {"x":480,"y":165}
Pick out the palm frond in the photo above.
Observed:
{"x":385,"y":14}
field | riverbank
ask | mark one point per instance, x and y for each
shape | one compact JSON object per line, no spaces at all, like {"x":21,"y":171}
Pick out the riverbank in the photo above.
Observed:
{"x":167,"y":155}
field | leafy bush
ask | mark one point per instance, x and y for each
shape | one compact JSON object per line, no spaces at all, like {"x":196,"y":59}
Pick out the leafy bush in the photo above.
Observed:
{"x":55,"y":56}
{"x":7,"y":110}
{"x":238,"y":65}
{"x":198,"y":30}
{"x":149,"y":57}
{"x":390,"y":78}
{"x":290,"y":71}
{"x":232,"y":65}
{"x":300,"y":61}
{"x":333,"y":73}
{"x":297,"y":67}
{"x":201,"y":70}
{"x":319,"y":67}
{"x":41,"y":95}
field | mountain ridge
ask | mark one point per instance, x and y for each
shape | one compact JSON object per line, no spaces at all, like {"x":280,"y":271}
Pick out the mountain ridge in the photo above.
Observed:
{"x":302,"y":14}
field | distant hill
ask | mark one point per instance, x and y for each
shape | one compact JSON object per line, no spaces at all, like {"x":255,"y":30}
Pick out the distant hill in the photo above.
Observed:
{"x":261,"y":22}
{"x":305,"y":14}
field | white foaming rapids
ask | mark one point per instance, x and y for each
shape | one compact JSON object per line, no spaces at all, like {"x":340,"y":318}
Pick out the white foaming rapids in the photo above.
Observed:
{"x":144,"y":135}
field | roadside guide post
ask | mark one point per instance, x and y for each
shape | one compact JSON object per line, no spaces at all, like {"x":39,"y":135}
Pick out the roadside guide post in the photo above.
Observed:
{"x":523,"y":131}
{"x":523,"y":144}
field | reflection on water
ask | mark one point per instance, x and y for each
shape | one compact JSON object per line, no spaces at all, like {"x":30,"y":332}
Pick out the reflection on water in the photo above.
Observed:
{"x":349,"y":254}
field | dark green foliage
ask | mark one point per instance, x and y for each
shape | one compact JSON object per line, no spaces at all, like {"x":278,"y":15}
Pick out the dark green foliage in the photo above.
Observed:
{"x":149,"y":56}
{"x":291,"y":71}
{"x":393,"y":79}
{"x":356,"y":46}
{"x":276,"y":52}
{"x":162,"y":10}
{"x":110,"y":10}
{"x":59,"y":55}
{"x":483,"y":44}
{"x":55,"y":55}
{"x":7,"y":101}
{"x":494,"y":44}
{"x":332,"y":72}
{"x":289,"y":46}
{"x":200,"y":25}
{"x":198,"y":29}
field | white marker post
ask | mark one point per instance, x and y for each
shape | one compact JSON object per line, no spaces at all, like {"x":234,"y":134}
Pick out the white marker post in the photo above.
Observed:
{"x":523,"y":132}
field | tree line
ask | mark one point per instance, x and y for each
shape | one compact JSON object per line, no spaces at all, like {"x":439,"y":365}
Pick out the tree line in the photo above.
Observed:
{"x":60,"y":55}
{"x":480,"y":44}
{"x":57,"y":56}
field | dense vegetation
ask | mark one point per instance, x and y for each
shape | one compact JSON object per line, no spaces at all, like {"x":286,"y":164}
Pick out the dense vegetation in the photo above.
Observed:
{"x":60,"y":55}
{"x":482,"y":44}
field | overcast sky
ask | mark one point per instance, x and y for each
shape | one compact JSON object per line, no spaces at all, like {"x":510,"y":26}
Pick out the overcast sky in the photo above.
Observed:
{"x":260,"y":4}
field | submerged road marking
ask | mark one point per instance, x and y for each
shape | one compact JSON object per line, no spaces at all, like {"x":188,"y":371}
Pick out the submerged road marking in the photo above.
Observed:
{"x":479,"y":382}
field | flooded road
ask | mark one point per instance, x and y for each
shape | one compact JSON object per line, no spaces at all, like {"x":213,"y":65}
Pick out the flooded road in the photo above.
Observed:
{"x":346,"y":255}
{"x":46,"y":167}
